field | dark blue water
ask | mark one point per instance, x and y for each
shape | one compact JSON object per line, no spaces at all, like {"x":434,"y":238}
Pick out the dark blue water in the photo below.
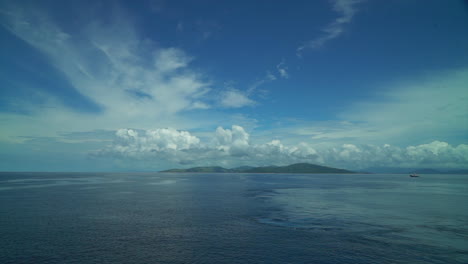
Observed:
{"x":232,"y":218}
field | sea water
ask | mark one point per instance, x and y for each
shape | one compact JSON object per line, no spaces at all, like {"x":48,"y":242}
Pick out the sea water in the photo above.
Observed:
{"x":232,"y":218}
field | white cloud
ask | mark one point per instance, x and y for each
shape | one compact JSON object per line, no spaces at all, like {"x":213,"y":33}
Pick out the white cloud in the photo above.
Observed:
{"x":267,"y":78}
{"x":409,"y":113}
{"x":156,"y":140}
{"x":159,"y":144}
{"x":282,"y":70}
{"x":254,"y":88}
{"x":436,"y":154}
{"x":136,"y":82}
{"x":346,"y":9}
{"x":232,"y":147}
{"x":233,"y":98}
{"x":234,"y":141}
{"x":140,"y":84}
{"x":171,"y":59}
{"x":427,"y":108}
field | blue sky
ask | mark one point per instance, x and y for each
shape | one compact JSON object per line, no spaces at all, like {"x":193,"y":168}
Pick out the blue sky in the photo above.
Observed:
{"x":149,"y":85}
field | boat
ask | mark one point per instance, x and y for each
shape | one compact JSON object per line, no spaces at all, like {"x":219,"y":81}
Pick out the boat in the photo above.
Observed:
{"x":414,"y":175}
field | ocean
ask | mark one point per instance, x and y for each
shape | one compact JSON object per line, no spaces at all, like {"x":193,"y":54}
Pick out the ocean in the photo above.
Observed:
{"x":232,"y":218}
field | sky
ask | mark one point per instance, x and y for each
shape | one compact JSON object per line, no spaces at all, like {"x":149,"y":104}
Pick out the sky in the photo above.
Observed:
{"x":152,"y":85}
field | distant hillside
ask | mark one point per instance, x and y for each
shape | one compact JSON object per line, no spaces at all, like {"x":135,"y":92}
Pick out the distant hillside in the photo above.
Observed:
{"x":242,"y":168}
{"x":297,"y":168}
{"x":201,"y":169}
{"x":294,"y":168}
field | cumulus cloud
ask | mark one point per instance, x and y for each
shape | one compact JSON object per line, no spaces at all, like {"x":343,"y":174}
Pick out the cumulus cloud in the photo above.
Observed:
{"x":227,"y":146}
{"x":165,"y":144}
{"x":436,"y":154}
{"x":235,"y":142}
{"x":232,"y":147}
{"x":346,"y":9}
{"x":157,"y":140}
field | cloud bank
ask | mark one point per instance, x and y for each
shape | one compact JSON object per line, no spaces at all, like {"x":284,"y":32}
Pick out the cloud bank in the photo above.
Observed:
{"x":232,"y":147}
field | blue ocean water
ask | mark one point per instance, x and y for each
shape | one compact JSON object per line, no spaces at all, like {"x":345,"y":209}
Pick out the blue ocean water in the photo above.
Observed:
{"x":232,"y":218}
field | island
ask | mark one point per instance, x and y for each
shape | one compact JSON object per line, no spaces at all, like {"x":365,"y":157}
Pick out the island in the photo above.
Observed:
{"x":293,"y":168}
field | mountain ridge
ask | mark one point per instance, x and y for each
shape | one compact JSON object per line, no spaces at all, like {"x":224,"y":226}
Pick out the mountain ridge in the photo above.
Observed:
{"x":305,"y":168}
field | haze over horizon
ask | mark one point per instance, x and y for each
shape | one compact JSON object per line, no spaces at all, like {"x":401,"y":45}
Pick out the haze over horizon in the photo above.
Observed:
{"x":153,"y":85}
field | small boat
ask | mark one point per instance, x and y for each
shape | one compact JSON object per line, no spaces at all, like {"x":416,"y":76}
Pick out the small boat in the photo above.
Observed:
{"x":414,"y":175}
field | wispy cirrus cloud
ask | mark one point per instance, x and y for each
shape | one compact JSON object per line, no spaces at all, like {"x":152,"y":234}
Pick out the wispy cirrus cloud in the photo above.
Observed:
{"x":132,"y":79}
{"x":425,"y":108}
{"x":346,"y":10}
{"x":234,"y":98}
{"x":282,"y":70}
{"x":267,"y":78}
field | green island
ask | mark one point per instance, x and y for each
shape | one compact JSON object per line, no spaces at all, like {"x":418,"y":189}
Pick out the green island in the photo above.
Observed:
{"x":293,"y":168}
